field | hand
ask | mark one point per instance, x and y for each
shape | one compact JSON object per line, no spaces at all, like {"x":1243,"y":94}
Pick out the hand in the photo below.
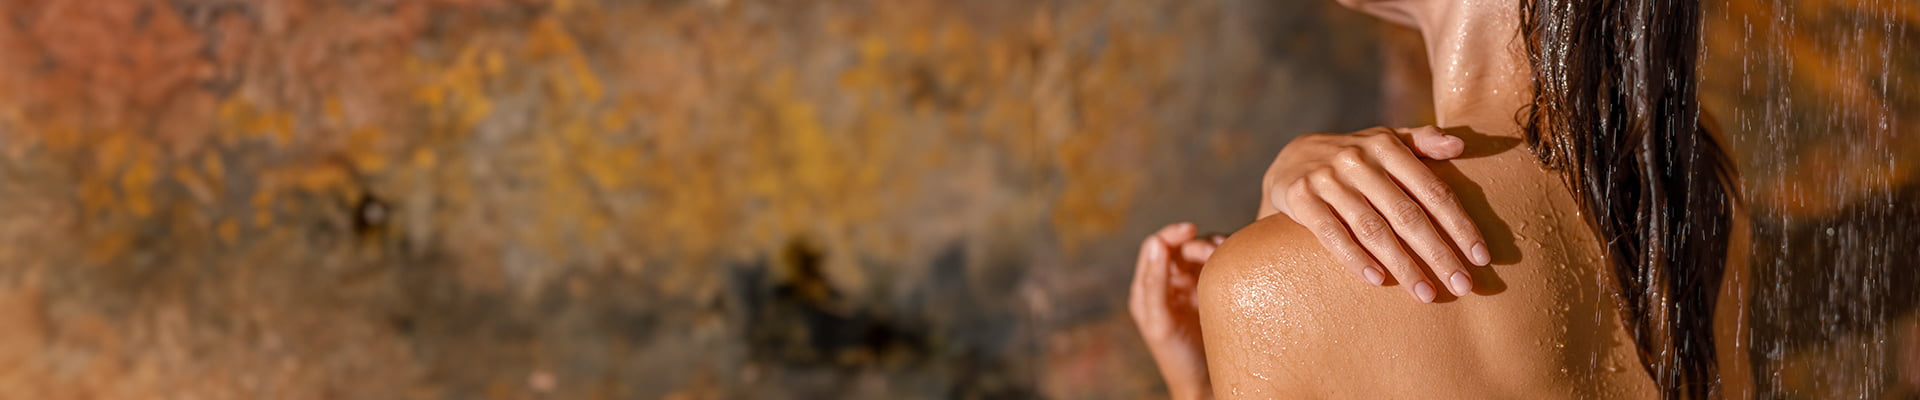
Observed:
{"x":1162,"y":305}
{"x":1365,"y":194}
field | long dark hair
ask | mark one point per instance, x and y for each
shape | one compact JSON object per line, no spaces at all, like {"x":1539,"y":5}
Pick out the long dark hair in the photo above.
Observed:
{"x":1615,"y":111}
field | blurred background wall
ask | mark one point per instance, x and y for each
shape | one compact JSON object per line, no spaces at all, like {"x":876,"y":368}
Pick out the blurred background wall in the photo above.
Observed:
{"x":775,"y":199}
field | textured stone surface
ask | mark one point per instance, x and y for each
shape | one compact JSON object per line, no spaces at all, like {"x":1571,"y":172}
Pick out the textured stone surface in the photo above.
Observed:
{"x":684,"y":199}
{"x":371,"y":199}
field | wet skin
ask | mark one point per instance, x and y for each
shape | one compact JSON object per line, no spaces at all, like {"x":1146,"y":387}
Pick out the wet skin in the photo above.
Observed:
{"x":1283,"y":319}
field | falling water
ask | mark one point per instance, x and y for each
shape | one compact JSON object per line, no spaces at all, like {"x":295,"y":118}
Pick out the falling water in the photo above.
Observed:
{"x":1816,"y":96}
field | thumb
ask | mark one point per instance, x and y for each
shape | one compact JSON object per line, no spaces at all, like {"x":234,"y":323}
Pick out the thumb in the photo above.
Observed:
{"x":1432,"y":143}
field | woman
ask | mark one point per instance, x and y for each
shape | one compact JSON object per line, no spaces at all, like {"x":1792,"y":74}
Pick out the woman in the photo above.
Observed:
{"x":1607,"y":232}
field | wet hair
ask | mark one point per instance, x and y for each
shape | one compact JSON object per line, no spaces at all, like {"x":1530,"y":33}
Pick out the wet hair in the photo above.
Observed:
{"x":1615,"y":112}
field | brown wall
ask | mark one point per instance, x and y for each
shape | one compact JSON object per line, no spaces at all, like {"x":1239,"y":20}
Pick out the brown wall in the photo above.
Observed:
{"x":715,"y":198}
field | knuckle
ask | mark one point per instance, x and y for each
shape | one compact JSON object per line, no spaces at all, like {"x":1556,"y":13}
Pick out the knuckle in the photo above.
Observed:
{"x":1439,"y":192}
{"x":1297,"y":191}
{"x":1407,"y":212}
{"x":1322,"y":177}
{"x":1329,"y":231}
{"x":1438,"y":256}
{"x":1350,"y":156}
{"x":1317,"y":138}
{"x":1298,"y":205}
{"x":1382,"y":135}
{"x":1372,"y":229}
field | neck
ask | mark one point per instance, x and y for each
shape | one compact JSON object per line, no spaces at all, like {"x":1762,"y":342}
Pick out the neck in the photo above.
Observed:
{"x":1480,"y":72}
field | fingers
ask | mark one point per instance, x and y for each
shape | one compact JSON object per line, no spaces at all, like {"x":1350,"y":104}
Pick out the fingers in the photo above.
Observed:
{"x":1176,"y":233}
{"x":1149,"y":297}
{"x":1333,"y":235}
{"x":1168,"y":266}
{"x":1159,"y":269}
{"x":1438,"y":198}
{"x":1409,"y":220}
{"x":1433,"y":143}
{"x":1196,"y":251}
{"x":1185,"y":273}
{"x":1373,"y":232}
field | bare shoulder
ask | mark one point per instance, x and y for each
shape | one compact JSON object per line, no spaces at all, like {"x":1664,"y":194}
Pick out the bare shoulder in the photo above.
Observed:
{"x":1271,"y":262}
{"x":1267,"y":262}
{"x":1263,"y":309}
{"x":1271,"y":249}
{"x":1282,"y":319}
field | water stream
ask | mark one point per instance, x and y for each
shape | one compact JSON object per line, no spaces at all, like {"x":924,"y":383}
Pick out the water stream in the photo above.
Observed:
{"x":1818,"y":100}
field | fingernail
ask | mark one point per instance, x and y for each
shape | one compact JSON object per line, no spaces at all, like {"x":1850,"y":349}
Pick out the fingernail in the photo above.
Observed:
{"x":1460,"y":284}
{"x":1480,"y":256}
{"x":1423,"y":291}
{"x":1373,"y":276}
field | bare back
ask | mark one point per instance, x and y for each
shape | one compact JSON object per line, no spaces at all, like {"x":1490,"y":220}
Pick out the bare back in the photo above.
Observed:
{"x":1281,"y":319}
